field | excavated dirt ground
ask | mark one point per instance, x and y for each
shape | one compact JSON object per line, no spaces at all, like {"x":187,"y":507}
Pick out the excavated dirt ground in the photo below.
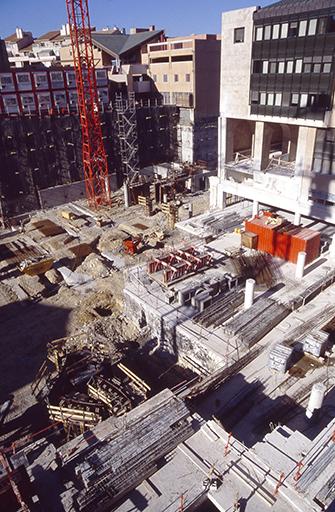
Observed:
{"x":37,"y":310}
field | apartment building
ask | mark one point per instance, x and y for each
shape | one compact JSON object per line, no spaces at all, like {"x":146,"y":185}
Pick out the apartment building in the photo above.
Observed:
{"x":122,"y":53}
{"x":277,"y":114}
{"x":186,"y":73}
{"x":38,"y":92}
{"x":24,"y":51}
{"x":15,"y":45}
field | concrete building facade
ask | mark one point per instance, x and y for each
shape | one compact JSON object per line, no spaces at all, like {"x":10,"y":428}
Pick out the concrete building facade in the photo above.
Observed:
{"x":277,"y":115}
{"x":186,"y":73}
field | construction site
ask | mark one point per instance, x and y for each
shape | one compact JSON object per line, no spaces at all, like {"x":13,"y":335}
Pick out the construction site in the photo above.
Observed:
{"x":159,"y":353}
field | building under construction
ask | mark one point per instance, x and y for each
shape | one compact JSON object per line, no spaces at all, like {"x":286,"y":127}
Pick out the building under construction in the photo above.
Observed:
{"x":158,"y":354}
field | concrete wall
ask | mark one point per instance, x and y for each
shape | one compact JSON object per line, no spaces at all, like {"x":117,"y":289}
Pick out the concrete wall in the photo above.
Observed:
{"x":101,"y":58}
{"x":62,"y":194}
{"x":235,"y":64}
{"x":207,"y":78}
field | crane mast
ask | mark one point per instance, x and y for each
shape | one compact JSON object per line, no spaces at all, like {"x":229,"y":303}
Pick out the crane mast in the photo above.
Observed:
{"x":94,"y":156}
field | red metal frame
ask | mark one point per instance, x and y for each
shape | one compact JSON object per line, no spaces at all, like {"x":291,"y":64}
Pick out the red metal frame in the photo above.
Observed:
{"x":94,"y":156}
{"x":179,"y":263}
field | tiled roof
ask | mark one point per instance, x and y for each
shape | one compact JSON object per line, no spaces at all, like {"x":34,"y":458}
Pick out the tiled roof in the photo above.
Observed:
{"x":48,"y":36}
{"x":119,"y":44}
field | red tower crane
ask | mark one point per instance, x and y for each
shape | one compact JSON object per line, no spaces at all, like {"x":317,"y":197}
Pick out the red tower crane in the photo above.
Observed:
{"x":94,"y":156}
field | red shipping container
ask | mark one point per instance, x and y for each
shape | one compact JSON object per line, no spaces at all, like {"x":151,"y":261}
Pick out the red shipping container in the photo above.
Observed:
{"x":266,"y":233}
{"x":284,"y":240}
{"x":305,"y":240}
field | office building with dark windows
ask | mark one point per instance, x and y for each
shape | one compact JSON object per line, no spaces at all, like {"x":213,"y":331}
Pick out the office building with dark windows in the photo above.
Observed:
{"x":277,"y":116}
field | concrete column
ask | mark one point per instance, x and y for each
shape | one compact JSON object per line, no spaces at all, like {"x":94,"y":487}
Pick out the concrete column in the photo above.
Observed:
{"x":263,"y":135}
{"x":226,"y":144}
{"x":300,"y":267}
{"x":255,"y":208}
{"x":304,"y":160}
{"x":249,"y":293}
{"x":297,"y":219}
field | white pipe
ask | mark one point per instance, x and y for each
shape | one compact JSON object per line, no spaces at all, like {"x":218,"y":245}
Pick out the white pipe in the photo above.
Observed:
{"x":249,"y":293}
{"x":126,"y":194}
{"x":316,"y":399}
{"x":300,"y":267}
{"x":297,"y":219}
{"x":332,"y":247}
{"x":255,"y":208}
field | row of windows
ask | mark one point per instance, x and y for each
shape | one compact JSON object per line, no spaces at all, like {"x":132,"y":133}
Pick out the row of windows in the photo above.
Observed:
{"x":173,"y":58}
{"x":165,"y":78}
{"x":288,"y":99}
{"x":305,"y":65}
{"x":295,"y":29}
{"x":181,"y":99}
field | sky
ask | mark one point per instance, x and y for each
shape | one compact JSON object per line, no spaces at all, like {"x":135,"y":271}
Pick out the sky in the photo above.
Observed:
{"x":177,"y":17}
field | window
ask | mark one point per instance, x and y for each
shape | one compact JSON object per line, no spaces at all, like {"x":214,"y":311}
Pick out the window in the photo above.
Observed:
{"x":259,"y":33}
{"x":273,"y":67}
{"x":58,"y":77}
{"x":265,"y":66}
{"x":6,"y":80}
{"x":239,"y":35}
{"x":295,"y":99}
{"x":182,"y":58}
{"x":159,"y":60}
{"x":303,"y":100}
{"x":254,"y":97}
{"x":165,"y":78}
{"x":298,"y":66}
{"x":317,"y":68}
{"x":23,"y":79}
{"x":312,"y":27}
{"x":176,"y":78}
{"x":270,"y":99}
{"x":267,"y":32}
{"x":188,"y":77}
{"x":327,"y":67}
{"x":154,"y":77}
{"x":293,"y":29}
{"x":275,"y":31}
{"x":286,"y":99}
{"x":331,"y":24}
{"x":307,"y":68}
{"x":258,"y":66}
{"x":302,"y":28}
{"x":278,"y":99}
{"x":263,"y":98}
{"x":281,"y":67}
{"x":284,"y":31}
{"x":289,"y":66}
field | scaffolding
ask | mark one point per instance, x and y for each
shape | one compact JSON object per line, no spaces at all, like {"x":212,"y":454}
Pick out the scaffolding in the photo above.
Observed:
{"x":127,"y":132}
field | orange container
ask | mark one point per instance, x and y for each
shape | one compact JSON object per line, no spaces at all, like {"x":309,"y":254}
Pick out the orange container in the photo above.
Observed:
{"x":305,"y":240}
{"x":266,"y":233}
{"x":284,"y":240}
